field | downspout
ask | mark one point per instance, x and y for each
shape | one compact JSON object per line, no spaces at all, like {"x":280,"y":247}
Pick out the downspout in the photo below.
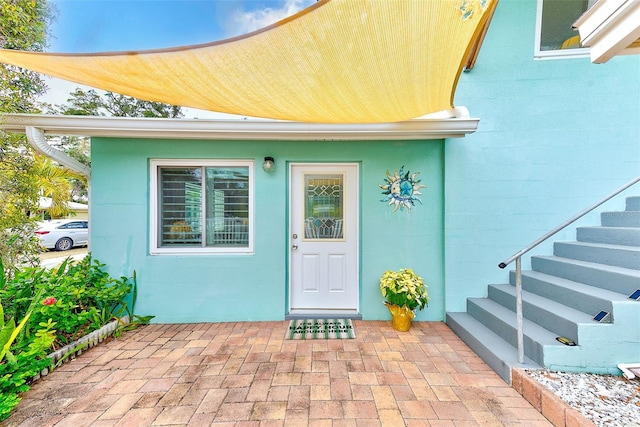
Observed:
{"x":37,"y":140}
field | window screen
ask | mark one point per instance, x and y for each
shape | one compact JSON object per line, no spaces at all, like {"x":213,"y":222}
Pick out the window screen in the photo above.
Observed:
{"x":555,"y":19}
{"x":203,"y":206}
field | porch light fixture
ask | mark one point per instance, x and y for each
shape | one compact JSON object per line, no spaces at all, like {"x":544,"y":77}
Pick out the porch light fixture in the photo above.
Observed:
{"x":269,"y":165}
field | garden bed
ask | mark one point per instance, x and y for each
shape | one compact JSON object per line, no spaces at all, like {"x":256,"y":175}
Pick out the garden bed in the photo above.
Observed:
{"x":45,"y":315}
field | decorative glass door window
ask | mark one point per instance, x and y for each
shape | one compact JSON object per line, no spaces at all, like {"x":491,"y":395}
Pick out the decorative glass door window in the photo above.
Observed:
{"x":323,"y":206}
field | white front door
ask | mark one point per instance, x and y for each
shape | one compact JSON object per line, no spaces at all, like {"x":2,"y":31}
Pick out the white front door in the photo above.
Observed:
{"x":323,"y":239}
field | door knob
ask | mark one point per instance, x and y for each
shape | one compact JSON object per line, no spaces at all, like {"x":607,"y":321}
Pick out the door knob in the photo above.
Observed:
{"x":294,"y":247}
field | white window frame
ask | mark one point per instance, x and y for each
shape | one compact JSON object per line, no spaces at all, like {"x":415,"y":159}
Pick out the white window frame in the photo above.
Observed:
{"x":553,"y":54}
{"x":154,"y":213}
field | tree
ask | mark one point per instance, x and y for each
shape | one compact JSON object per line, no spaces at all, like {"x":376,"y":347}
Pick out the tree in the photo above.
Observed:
{"x":54,"y":182}
{"x":79,"y":148}
{"x":23,"y":25}
{"x":18,"y":197}
{"x":90,"y":103}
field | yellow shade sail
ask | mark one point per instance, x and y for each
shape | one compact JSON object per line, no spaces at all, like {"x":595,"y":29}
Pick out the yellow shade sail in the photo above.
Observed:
{"x":338,"y":61}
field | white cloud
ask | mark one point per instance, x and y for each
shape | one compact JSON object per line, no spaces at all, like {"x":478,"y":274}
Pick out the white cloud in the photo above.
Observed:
{"x":256,"y":19}
{"x":246,"y":21}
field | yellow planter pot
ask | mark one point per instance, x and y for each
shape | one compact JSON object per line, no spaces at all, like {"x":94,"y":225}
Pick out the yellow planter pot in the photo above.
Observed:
{"x":401,"y":317}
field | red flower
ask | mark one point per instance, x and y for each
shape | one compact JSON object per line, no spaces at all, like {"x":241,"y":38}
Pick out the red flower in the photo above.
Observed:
{"x":49,"y":301}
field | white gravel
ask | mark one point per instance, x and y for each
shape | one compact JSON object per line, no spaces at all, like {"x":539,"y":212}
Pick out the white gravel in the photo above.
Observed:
{"x":606,"y":400}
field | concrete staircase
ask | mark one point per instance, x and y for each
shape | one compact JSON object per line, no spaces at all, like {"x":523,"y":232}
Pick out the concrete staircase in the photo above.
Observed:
{"x":562,"y":294}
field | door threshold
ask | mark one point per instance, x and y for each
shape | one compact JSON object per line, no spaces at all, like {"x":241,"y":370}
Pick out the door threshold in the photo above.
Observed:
{"x":323,"y":314}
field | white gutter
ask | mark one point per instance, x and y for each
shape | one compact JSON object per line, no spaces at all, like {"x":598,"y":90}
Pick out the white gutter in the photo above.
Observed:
{"x":610,"y":28}
{"x":456,"y":125}
{"x":36,"y":138}
{"x":626,"y":369}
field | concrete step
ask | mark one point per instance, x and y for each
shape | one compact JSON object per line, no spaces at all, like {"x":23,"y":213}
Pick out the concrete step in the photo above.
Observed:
{"x":615,"y":255}
{"x":496,"y":352}
{"x":588,"y":299}
{"x":558,"y":318}
{"x":620,"y":219}
{"x":633,"y":203}
{"x":625,"y":236}
{"x":616,"y":279}
{"x":502,"y":322}
{"x":561,"y":296}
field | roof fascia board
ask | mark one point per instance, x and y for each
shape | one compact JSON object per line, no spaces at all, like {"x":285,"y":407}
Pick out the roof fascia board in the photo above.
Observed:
{"x":610,"y":28}
{"x":424,"y":128}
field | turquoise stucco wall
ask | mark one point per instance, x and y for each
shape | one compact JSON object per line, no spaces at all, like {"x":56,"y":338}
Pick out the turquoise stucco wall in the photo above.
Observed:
{"x":201,"y":288}
{"x":554,"y":137}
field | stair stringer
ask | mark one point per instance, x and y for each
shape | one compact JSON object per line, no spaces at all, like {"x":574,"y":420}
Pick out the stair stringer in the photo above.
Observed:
{"x":601,"y":345}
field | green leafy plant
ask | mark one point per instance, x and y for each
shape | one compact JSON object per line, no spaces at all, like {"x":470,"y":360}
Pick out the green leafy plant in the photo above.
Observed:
{"x":404,"y":288}
{"x":80,"y":297}
{"x":30,"y":358}
{"x":9,"y":333}
{"x":56,"y":307}
{"x":134,"y":319}
{"x":8,"y":330}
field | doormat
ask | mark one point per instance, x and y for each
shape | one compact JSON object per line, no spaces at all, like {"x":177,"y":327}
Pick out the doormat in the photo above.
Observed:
{"x":320,"y":329}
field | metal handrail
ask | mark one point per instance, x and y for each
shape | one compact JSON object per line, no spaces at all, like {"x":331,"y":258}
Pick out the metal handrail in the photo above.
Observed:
{"x":518,"y":255}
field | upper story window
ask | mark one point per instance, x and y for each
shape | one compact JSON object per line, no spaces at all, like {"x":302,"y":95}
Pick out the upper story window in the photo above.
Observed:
{"x":201,"y":206}
{"x":555,"y":36}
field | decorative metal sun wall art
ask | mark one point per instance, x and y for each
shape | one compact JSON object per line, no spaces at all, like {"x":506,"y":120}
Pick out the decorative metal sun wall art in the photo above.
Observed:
{"x":401,"y":189}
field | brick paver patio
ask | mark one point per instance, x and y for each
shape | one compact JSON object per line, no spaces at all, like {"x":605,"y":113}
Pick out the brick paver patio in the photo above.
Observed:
{"x":247,"y":374}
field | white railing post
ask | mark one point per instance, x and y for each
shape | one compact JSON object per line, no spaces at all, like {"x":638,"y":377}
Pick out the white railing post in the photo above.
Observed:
{"x":519,"y":311}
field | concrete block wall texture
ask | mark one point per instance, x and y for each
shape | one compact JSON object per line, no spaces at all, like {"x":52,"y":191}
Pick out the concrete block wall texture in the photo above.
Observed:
{"x":554,"y":137}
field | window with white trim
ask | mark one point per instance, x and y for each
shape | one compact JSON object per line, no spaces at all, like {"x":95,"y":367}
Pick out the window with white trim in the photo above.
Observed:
{"x":555,"y":36}
{"x":201,"y":206}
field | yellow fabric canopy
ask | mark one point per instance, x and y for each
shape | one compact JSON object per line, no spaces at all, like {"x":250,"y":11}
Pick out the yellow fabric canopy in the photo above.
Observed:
{"x":338,"y":61}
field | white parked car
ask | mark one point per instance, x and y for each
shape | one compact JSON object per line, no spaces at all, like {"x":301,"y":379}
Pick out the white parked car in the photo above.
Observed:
{"x":63,"y":234}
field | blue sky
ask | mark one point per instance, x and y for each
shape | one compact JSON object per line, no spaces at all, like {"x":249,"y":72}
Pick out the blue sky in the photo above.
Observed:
{"x":113,"y":25}
{"x":84,"y":26}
